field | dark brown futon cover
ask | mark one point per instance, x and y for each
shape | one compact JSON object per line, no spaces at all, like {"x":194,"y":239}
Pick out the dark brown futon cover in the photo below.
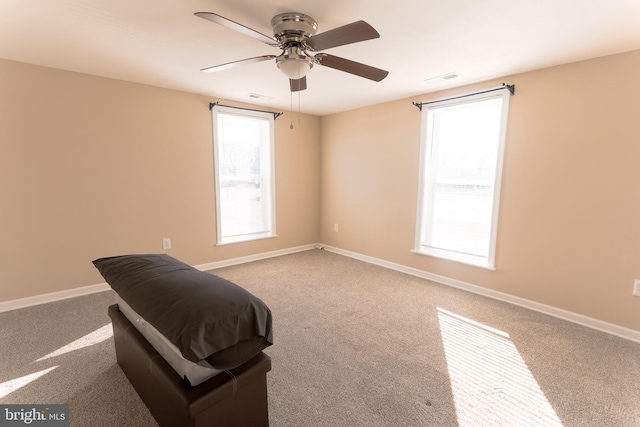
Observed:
{"x":212,"y":321}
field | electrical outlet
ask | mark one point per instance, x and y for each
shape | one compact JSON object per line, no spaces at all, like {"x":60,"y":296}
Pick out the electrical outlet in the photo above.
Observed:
{"x":636,"y":288}
{"x":166,"y":243}
{"x":335,"y":227}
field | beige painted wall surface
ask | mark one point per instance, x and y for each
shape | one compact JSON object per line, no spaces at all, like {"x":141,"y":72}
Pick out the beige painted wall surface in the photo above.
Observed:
{"x":569,"y":229}
{"x":93,"y":167}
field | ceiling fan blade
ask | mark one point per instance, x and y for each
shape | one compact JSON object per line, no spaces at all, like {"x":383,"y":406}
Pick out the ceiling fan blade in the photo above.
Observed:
{"x":351,"y":33}
{"x":233,"y":64}
{"x":237,"y":27}
{"x":362,"y":70}
{"x":297,"y":85}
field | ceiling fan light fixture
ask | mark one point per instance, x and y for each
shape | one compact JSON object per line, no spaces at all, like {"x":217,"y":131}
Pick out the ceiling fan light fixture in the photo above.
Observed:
{"x":293,"y":63}
{"x":294,"y":68}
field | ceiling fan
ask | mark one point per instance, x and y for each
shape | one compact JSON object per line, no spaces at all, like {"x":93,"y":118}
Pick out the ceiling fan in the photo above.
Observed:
{"x":295,"y":34}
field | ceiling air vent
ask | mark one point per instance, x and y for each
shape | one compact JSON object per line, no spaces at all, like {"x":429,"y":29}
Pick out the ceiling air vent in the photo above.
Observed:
{"x":443,"y":77}
{"x":258,"y":96}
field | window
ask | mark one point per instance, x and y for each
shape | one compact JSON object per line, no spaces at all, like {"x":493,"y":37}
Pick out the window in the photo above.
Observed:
{"x":460,"y":170}
{"x":243,"y":159}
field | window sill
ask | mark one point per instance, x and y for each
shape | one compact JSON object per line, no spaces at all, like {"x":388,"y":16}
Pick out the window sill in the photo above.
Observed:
{"x":473,"y":260}
{"x":249,"y":238}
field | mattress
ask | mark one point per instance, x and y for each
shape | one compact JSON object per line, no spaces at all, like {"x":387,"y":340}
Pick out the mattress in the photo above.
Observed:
{"x":192,"y":373}
{"x":212,"y":321}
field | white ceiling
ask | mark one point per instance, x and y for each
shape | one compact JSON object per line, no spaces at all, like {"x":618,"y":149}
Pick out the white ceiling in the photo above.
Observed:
{"x":161,"y":43}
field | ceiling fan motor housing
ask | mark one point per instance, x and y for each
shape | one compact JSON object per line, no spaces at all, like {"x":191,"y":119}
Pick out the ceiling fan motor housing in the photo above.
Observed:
{"x":293,"y":27}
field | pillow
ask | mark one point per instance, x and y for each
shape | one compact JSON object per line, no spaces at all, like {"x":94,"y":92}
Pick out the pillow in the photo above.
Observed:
{"x":212,"y":321}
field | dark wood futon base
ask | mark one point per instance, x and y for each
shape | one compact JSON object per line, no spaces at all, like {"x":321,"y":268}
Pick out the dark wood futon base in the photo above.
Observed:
{"x":233,"y":398}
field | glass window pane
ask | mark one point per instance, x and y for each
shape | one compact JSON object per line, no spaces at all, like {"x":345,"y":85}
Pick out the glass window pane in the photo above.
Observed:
{"x":465,"y":141}
{"x":243,"y":162}
{"x":461,"y":150}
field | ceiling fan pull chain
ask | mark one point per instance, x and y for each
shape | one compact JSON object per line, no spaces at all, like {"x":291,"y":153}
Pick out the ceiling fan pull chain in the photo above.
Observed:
{"x":291,"y":111}
{"x":298,"y":107}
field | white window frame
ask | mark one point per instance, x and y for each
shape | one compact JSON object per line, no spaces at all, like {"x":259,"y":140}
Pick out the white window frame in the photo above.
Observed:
{"x":269,"y":181}
{"x":426,"y":147}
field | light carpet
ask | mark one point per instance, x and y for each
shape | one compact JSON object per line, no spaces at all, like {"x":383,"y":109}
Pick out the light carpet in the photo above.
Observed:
{"x":355,"y":344}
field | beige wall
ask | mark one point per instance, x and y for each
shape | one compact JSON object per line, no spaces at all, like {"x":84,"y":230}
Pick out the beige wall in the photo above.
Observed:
{"x":569,"y":229}
{"x":93,"y":167}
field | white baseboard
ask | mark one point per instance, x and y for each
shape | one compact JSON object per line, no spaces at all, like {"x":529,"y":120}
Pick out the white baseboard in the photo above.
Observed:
{"x":610,"y":328}
{"x":52,"y":296}
{"x":241,"y":260}
{"x":100,"y":287}
{"x":590,"y":322}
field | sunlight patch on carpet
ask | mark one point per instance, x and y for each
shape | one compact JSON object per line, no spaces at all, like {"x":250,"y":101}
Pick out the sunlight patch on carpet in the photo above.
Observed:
{"x":10,"y":386}
{"x":92,"y":338}
{"x":490,"y":381}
